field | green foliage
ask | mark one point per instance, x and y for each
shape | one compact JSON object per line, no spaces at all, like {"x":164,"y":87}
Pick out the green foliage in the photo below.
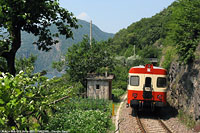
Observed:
{"x":123,"y":40}
{"x":121,"y":77}
{"x":130,"y":51}
{"x":82,"y":59}
{"x":150,"y":51}
{"x":88,"y":121}
{"x":37,"y":20}
{"x":86,"y":104}
{"x":185,"y":28}
{"x":3,"y":65}
{"x":25,"y":102}
{"x":82,"y":115}
{"x":26,"y":64}
{"x":63,"y":87}
{"x":169,"y":56}
{"x":4,"y":41}
{"x":33,"y":17}
{"x":20,"y":97}
{"x":178,"y":25}
{"x":58,"y":65}
{"x":142,"y":33}
{"x":118,"y":92}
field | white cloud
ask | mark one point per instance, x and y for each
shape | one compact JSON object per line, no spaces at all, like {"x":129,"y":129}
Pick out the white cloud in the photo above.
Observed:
{"x":84,"y":16}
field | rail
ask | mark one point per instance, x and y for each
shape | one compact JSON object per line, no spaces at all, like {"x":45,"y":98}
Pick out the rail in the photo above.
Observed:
{"x":157,"y":125}
{"x":164,"y":126}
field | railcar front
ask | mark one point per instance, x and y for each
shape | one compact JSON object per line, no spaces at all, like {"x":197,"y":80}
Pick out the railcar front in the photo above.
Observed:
{"x":147,"y":87}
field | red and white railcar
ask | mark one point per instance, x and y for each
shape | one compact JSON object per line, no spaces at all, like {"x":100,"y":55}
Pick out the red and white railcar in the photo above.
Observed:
{"x":147,"y":86}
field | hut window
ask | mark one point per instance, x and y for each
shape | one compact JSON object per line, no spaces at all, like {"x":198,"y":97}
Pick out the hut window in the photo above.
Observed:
{"x":97,"y":86}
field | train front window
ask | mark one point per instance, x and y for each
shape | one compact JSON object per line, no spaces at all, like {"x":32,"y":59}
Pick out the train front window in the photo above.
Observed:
{"x":134,"y":80}
{"x":161,"y":82}
{"x":148,"y":82}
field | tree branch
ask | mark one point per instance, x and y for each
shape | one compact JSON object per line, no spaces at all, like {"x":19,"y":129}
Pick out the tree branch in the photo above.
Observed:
{"x":61,"y":99}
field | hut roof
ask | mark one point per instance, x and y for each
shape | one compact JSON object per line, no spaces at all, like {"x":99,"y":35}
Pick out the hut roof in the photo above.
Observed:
{"x":99,"y":77}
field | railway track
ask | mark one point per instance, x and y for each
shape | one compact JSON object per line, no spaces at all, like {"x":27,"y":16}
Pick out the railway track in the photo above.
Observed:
{"x":151,"y":125}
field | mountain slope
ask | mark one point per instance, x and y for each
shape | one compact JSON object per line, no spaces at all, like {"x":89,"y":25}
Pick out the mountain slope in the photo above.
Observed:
{"x":147,"y":31}
{"x":45,"y":59}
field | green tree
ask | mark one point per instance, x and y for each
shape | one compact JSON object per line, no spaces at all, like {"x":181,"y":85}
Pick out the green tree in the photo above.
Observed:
{"x":32,"y":16}
{"x":150,"y":51}
{"x":185,"y":28}
{"x":25,"y":64}
{"x":82,"y":59}
{"x":121,"y":77}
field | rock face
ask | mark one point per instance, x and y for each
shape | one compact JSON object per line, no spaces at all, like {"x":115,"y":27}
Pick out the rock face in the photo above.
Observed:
{"x":184,"y":89}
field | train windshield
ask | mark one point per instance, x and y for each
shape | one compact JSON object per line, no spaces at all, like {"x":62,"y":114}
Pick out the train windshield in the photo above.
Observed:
{"x":134,"y":80}
{"x":148,"y":82}
{"x":161,"y":82}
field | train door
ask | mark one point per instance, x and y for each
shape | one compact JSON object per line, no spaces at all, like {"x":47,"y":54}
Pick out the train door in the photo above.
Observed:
{"x":148,"y":87}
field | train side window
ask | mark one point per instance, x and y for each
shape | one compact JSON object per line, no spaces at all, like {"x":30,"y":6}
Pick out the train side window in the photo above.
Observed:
{"x":134,"y":80}
{"x":161,"y":82}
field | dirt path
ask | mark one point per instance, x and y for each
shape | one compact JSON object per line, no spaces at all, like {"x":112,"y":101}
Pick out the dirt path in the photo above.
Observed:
{"x":117,"y":120}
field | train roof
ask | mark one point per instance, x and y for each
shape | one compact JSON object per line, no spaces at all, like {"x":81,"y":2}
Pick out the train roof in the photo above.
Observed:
{"x":148,"y":69}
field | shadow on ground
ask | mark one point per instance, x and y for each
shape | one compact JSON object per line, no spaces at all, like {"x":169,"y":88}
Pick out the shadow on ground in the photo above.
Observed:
{"x":164,"y":113}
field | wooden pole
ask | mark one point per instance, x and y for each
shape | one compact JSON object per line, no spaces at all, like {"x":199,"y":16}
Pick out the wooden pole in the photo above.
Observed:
{"x":113,"y":109}
{"x":91,"y":33}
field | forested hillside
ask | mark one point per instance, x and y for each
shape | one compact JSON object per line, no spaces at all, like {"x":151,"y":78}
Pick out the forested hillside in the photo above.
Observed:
{"x":174,"y":31}
{"x":144,"y":33}
{"x":44,"y":59}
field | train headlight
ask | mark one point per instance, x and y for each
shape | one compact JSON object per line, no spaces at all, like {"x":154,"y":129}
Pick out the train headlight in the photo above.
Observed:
{"x":135,"y":95}
{"x":159,"y":97}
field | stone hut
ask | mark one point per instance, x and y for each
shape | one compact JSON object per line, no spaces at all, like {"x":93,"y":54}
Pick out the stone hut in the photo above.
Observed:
{"x":99,"y":87}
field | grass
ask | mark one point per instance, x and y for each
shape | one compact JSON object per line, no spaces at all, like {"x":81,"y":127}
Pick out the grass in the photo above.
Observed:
{"x":186,"y":119}
{"x":118,"y":94}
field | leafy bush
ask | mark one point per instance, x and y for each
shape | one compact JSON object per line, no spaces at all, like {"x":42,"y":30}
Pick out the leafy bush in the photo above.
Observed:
{"x":82,"y":115}
{"x":21,"y":97}
{"x":121,"y":77}
{"x":80,"y":121}
{"x":25,"y":102}
{"x":170,"y":53}
{"x":118,"y":92}
{"x":90,"y":104}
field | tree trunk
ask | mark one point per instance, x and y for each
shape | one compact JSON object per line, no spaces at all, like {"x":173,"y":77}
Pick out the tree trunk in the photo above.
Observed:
{"x":10,"y":56}
{"x":11,"y":63}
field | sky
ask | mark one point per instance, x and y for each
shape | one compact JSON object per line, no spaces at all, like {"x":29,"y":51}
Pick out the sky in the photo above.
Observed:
{"x":112,"y":15}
